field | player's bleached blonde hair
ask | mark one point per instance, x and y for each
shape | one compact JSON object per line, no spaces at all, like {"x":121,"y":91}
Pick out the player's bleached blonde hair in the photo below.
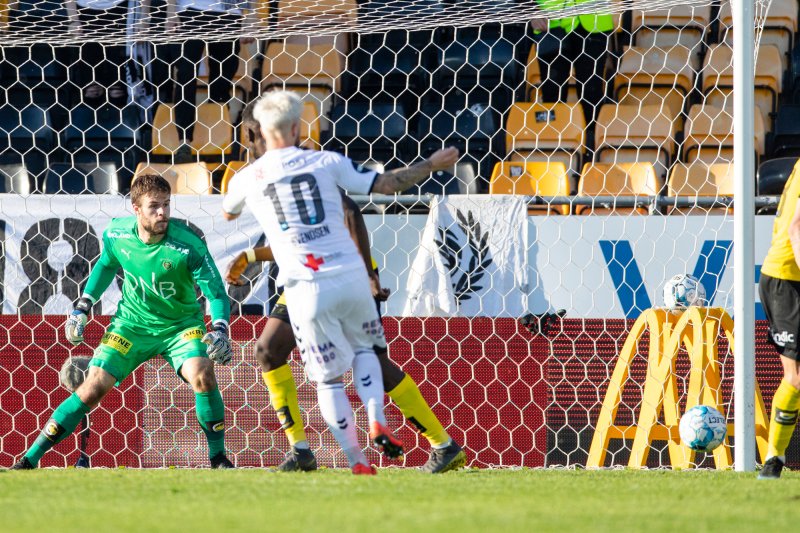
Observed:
{"x":278,"y":110}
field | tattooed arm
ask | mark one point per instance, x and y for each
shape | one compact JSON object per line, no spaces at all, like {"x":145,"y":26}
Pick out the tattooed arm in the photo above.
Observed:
{"x":402,"y":178}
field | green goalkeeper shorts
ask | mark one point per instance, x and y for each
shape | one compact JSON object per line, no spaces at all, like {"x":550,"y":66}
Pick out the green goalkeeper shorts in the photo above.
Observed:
{"x":124,"y":347}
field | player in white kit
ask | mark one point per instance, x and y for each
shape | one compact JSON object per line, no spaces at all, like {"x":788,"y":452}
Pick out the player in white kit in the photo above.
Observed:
{"x":294,"y":194}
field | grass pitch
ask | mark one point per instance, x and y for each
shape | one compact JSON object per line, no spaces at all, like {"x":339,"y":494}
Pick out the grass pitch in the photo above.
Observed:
{"x":395,"y":500}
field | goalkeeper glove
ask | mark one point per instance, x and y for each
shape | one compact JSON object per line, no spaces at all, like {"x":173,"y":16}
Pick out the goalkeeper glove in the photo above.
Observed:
{"x":76,"y":322}
{"x":219,"y":347}
{"x":541,"y":324}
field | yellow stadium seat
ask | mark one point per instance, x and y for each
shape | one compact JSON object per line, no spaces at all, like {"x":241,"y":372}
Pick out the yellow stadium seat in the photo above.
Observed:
{"x":700,"y":179}
{"x":213,"y":131}
{"x":288,"y":64}
{"x":682,"y":25}
{"x":717,"y":75}
{"x":187,"y":178}
{"x":261,"y":9}
{"x":310,"y":127}
{"x":316,"y":13}
{"x":655,"y":76}
{"x":532,"y":179}
{"x":634,"y":133}
{"x":617,"y":179}
{"x":546,"y":132}
{"x":231,"y":168}
{"x":779,"y":29}
{"x":708,"y":135}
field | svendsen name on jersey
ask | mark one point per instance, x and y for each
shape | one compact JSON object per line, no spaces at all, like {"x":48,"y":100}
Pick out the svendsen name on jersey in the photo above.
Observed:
{"x":313,"y":234}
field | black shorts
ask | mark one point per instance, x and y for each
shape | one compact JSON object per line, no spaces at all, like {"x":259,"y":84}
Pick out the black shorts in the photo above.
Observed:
{"x":781,"y":301}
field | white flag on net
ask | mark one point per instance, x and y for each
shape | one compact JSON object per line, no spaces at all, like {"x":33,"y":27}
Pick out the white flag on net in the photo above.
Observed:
{"x":472,"y":259}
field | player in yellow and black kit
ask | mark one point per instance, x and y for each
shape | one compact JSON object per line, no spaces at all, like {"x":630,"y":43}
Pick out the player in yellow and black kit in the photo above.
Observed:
{"x":779,"y":288}
{"x":277,"y":341}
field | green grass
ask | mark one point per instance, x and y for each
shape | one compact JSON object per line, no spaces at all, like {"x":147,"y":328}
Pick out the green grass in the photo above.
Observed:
{"x":395,"y":500}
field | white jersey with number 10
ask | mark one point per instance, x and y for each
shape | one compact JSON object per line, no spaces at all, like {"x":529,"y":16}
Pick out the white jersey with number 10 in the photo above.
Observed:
{"x":294,"y":194}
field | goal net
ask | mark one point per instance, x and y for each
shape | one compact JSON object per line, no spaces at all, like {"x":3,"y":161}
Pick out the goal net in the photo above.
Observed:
{"x":596,"y":143}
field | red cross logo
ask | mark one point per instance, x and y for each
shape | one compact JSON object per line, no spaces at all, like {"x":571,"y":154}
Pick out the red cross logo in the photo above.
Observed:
{"x":313,"y":262}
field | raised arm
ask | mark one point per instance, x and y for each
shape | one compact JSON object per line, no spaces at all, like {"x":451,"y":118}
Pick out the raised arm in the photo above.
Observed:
{"x":402,"y":178}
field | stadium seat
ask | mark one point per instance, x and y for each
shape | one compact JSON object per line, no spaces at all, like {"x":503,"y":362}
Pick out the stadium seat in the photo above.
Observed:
{"x":104,"y":134}
{"x":470,"y":128}
{"x":546,"y":132}
{"x":634,"y":133}
{"x":300,"y":65}
{"x":700,"y":179}
{"x":213,"y":131}
{"x":14,"y":179}
{"x":532,"y":179}
{"x":310,"y":127}
{"x":477,"y":61}
{"x":463,"y":180}
{"x":187,"y":178}
{"x":779,"y":29}
{"x":389,"y":66}
{"x":363,"y":132}
{"x":249,"y":61}
{"x":37,"y":73}
{"x":708,"y":135}
{"x":786,"y":135}
{"x":717,"y":84}
{"x":317,"y":13}
{"x":81,"y":178}
{"x":231,"y":168}
{"x":655,"y":76}
{"x":682,"y":25}
{"x":617,"y":179}
{"x":772,"y":175}
{"x":26,"y":136}
{"x":533,"y":79}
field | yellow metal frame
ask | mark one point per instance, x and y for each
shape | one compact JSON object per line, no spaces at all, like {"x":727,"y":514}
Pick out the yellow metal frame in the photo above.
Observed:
{"x":698,"y":329}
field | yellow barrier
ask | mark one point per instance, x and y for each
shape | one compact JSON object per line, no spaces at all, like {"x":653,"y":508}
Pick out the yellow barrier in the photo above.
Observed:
{"x":698,"y":329}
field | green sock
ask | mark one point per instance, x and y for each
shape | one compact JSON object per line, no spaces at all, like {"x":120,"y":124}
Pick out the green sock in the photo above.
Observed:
{"x":65,"y":419}
{"x":211,"y":415}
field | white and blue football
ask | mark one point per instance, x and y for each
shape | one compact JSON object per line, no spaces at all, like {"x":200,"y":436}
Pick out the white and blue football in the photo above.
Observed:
{"x":682,"y":291}
{"x":703,"y":428}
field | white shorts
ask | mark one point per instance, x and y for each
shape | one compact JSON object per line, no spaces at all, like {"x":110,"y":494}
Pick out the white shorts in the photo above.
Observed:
{"x":333,"y":319}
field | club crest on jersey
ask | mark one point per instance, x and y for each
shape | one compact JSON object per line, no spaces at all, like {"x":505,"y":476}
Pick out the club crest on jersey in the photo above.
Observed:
{"x":167,"y":264}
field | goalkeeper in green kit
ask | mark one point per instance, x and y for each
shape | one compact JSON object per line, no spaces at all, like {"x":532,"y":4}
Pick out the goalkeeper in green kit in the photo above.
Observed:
{"x":158,"y":314}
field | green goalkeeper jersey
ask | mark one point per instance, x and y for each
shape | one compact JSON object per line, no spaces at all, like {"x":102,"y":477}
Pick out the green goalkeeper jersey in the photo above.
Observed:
{"x":159,"y":285}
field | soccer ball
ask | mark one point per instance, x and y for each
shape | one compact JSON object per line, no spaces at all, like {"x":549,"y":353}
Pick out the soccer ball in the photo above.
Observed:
{"x":703,"y":428}
{"x":683,"y":291}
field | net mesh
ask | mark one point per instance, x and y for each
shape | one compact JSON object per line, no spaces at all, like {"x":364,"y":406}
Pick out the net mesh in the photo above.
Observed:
{"x":631,"y":125}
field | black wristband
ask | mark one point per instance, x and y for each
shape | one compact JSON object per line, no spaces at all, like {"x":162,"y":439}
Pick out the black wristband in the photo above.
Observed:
{"x":84,"y":305}
{"x":220,"y":326}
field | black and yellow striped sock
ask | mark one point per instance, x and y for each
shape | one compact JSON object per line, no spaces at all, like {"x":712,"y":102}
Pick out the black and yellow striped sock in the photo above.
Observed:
{"x":785,"y":406}
{"x":283,"y":396}
{"x":414,"y":407}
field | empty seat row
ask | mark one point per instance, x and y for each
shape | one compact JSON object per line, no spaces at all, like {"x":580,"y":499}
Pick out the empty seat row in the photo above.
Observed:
{"x":611,"y":180}
{"x":624,"y":133}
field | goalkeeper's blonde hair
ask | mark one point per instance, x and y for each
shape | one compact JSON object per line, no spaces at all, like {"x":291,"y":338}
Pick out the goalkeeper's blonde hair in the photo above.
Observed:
{"x":278,"y":110}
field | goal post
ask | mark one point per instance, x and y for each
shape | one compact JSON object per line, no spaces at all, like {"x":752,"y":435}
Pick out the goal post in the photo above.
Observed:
{"x":744,"y":235}
{"x":587,"y":203}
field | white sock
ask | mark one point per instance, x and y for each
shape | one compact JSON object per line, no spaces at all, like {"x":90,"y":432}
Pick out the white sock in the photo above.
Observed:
{"x":368,"y":379}
{"x":338,"y":414}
